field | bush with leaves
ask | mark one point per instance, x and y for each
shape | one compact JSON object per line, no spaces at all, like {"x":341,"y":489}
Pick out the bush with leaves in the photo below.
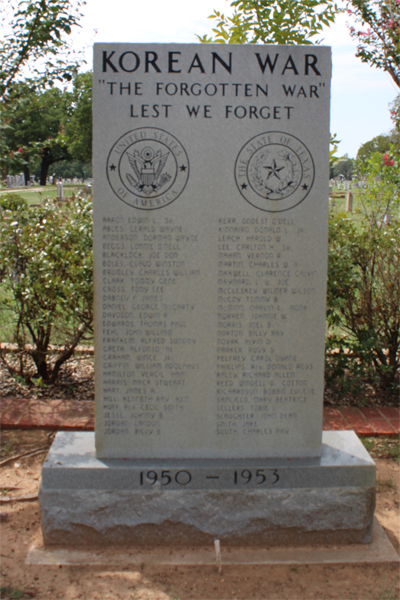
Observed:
{"x":12,"y":201}
{"x":363,"y":315}
{"x":46,"y":291}
{"x":380,"y":185}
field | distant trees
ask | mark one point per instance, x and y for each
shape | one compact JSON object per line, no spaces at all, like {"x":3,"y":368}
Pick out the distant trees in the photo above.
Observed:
{"x":344,"y":166}
{"x":36,"y":130}
{"x":50,"y":126}
{"x":380,"y":143}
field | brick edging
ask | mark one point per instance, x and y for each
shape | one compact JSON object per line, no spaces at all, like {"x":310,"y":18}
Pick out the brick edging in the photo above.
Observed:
{"x":74,"y":415}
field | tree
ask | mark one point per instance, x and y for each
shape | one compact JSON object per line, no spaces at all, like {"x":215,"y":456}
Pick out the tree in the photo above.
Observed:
{"x":275,"y":22}
{"x":379,"y":44}
{"x":37,"y":42}
{"x":51,"y":126}
{"x":68,"y":169}
{"x":272,"y":21}
{"x":78,"y":128}
{"x":34,"y":54}
{"x":36,"y":130}
{"x":380,"y":143}
{"x":343,"y":166}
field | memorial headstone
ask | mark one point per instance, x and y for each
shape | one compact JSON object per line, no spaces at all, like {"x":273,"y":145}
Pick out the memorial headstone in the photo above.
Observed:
{"x":213,"y":248}
{"x":349,"y":202}
{"x":60,"y":191}
{"x":387,"y":218}
{"x":210,"y":252}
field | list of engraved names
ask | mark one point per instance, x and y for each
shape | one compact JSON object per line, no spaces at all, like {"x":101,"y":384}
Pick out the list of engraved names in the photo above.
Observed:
{"x":151,"y":350}
{"x":260,"y":389}
{"x":146,"y":374}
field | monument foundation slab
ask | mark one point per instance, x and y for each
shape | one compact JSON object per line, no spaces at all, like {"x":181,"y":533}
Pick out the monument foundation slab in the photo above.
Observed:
{"x":88,"y":501}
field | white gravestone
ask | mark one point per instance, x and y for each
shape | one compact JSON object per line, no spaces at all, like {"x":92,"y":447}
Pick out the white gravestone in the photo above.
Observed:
{"x":210,"y":244}
{"x":60,"y":191}
{"x":349,"y":201}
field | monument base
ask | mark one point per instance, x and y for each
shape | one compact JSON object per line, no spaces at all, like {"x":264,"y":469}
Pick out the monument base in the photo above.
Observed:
{"x":86,"y":501}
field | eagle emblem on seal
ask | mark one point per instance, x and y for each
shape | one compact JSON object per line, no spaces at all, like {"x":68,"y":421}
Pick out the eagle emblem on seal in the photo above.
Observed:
{"x":148,"y":166}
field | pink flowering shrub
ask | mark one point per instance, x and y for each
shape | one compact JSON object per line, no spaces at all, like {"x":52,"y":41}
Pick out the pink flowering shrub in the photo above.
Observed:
{"x":377,"y":32}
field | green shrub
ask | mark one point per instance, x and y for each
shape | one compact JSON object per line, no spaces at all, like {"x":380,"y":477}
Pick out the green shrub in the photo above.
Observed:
{"x":363,"y":304}
{"x":11,"y":201}
{"x":46,"y":284}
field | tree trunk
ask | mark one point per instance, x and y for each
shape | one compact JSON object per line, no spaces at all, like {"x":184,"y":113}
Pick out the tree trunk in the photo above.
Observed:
{"x":39,"y":356}
{"x":44,"y":168}
{"x":27,"y":174}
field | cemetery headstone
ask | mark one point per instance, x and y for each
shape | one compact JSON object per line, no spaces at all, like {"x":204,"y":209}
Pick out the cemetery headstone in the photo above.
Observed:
{"x":210,"y":252}
{"x":349,"y":202}
{"x":387,"y":219}
{"x":60,"y":191}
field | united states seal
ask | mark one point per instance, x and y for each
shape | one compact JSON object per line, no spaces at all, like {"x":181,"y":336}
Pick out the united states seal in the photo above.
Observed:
{"x":147,"y":168}
{"x":274,"y":171}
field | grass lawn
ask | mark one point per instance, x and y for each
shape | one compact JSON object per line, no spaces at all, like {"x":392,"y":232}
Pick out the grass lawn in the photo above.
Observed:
{"x":36,"y":194}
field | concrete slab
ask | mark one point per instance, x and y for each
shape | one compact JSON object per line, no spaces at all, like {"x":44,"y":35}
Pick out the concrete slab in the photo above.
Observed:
{"x":380,"y":550}
{"x":96,"y":502}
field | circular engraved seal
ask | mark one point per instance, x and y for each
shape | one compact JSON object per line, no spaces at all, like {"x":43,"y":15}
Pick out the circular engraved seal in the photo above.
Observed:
{"x":274,"y":171}
{"x":147,"y":168}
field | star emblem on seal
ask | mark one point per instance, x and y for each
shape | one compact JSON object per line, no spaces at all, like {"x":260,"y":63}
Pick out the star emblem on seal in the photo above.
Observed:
{"x":274,"y":171}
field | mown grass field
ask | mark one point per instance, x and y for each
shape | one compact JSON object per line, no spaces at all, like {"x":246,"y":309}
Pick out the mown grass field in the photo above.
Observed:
{"x":37,"y":194}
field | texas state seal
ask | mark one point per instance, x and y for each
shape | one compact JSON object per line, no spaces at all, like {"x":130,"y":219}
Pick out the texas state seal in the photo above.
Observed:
{"x":274,"y":171}
{"x":147,"y":168}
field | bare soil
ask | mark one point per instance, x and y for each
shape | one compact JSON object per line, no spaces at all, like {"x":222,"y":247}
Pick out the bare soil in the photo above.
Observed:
{"x":20,"y":525}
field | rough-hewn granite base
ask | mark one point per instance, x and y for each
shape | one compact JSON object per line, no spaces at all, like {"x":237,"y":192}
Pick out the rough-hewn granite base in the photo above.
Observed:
{"x":86,"y":501}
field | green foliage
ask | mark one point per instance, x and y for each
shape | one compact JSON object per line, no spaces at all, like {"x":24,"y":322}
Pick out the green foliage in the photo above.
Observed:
{"x":383,"y":447}
{"x":379,"y":36}
{"x":35,"y":131}
{"x":380,"y":143}
{"x":11,"y":201}
{"x":363,"y":314}
{"x":68,"y":169}
{"x":272,"y":21}
{"x":11,"y":593}
{"x":344,"y":166}
{"x":34,"y":54}
{"x":78,"y":128}
{"x":380,"y":180}
{"x":36,"y":41}
{"x":334,"y":145}
{"x":46,"y":284}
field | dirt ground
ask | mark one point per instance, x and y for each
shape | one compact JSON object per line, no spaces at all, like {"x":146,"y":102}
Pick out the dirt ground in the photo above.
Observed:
{"x":20,"y":524}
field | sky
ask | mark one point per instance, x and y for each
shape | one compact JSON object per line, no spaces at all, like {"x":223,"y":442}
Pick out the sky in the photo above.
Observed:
{"x":360,"y":93}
